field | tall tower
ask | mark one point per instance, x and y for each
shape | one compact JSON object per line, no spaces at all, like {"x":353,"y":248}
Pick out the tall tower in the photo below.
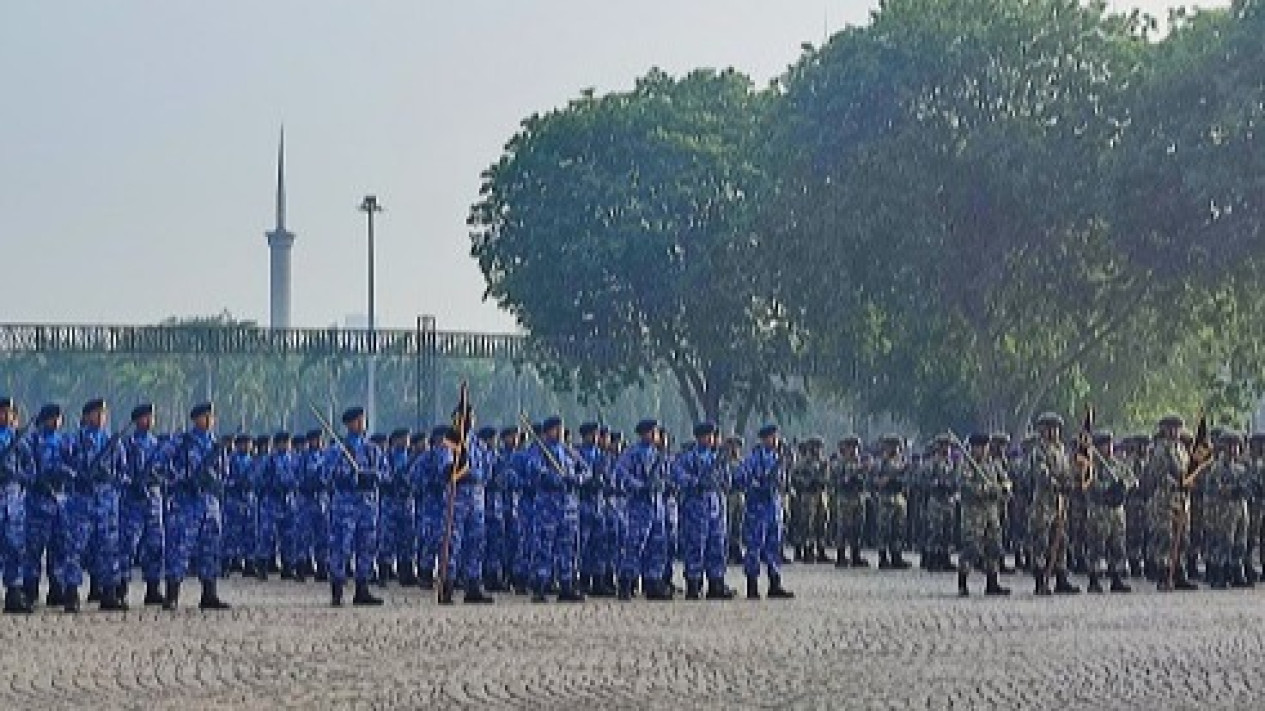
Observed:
{"x":280,"y":240}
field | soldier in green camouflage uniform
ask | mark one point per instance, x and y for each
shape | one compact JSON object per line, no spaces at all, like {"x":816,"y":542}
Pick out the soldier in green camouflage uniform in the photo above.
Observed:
{"x":1256,"y":510}
{"x":796,"y":504}
{"x":1077,"y":527}
{"x":998,"y":444}
{"x":1170,"y":506}
{"x":809,"y":481}
{"x":734,"y":500}
{"x":891,"y":477}
{"x":848,"y":495}
{"x":981,"y":483}
{"x":1195,"y":539}
{"x":1225,"y":488}
{"x":1052,"y":480}
{"x":1136,"y":450}
{"x":1020,"y":505}
{"x":939,"y":482}
{"x":1110,"y":482}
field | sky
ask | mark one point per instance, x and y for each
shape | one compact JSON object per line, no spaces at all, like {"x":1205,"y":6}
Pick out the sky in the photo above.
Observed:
{"x":138,"y":139}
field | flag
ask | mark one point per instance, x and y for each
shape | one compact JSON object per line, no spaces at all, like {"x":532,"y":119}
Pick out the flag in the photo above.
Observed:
{"x":462,"y":422}
{"x":1201,"y":450}
{"x":1085,"y":441}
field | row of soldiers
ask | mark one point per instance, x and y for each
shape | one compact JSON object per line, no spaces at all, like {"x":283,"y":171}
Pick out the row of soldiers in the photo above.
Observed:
{"x":483,"y":510}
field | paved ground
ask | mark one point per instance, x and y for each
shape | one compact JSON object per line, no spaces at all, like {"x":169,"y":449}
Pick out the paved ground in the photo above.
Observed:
{"x":850,"y":640}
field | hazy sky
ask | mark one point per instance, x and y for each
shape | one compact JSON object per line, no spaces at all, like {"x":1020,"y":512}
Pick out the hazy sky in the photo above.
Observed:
{"x":138,"y":138}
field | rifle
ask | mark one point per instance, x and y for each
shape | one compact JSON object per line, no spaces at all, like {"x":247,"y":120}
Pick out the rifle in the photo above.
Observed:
{"x":109,"y":446}
{"x":6,"y":472}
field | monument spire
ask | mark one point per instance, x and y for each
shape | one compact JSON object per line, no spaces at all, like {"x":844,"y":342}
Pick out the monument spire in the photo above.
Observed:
{"x":281,"y":181}
{"x":280,"y":241}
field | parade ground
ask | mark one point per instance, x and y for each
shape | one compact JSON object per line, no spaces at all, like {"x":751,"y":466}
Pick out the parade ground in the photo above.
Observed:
{"x":851,"y":639}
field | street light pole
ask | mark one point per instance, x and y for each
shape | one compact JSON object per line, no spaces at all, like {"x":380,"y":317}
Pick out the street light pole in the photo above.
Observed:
{"x":370,"y":207}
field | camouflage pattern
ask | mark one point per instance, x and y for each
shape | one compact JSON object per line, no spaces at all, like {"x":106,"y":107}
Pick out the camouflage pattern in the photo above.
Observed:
{"x":849,"y":491}
{"x":1106,"y":520}
{"x":1051,"y":480}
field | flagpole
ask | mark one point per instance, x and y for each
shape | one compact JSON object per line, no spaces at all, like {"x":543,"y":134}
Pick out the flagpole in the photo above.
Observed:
{"x":461,"y":424}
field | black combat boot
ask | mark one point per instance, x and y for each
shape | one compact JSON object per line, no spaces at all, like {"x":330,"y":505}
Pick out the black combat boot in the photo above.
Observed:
{"x":1192,"y":568}
{"x":924,"y":560}
{"x":603,"y":587}
{"x":1136,"y":569}
{"x":261,"y":569}
{"x":475,"y":595}
{"x":799,"y":554}
{"x":1215,"y":577}
{"x":1003,"y":568}
{"x":963,"y":591}
{"x":658,"y":591}
{"x":899,"y":563}
{"x":1042,"y":584}
{"x":841,"y":560}
{"x":171,"y":600}
{"x":753,"y":587}
{"x":426,"y":579}
{"x":336,"y":593}
{"x":386,"y":572}
{"x":1183,"y":583}
{"x":568,"y":593}
{"x":1062,"y":586}
{"x":287,"y":572}
{"x":822,"y":557}
{"x":776,"y":591}
{"x":445,"y":592}
{"x":883,"y":563}
{"x":717,"y":590}
{"x":110,"y":601}
{"x":234,"y":565}
{"x":1094,"y":585}
{"x":210,"y":596}
{"x":1253,"y":575}
{"x":1237,"y":578}
{"x":1118,"y":585}
{"x":300,"y":572}
{"x":993,"y":587}
{"x":70,"y":600}
{"x":56,"y":594}
{"x":322,"y":572}
{"x":363,"y":597}
{"x":153,"y":593}
{"x":692,"y":588}
{"x":858,"y":560}
{"x":273,"y":565}
{"x":15,"y":602}
{"x":538,"y":593}
{"x":31,"y":593}
{"x":94,"y":589}
{"x":625,"y":589}
{"x":122,"y":591}
{"x":408,"y":574}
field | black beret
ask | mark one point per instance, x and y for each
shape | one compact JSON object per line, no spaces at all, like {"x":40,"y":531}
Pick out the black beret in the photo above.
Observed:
{"x":200,"y":409}
{"x":646,"y":426}
{"x":452,"y":435}
{"x":262,"y":441}
{"x":6,"y":403}
{"x":999,"y":438}
{"x":1049,"y":419}
{"x":943,"y":439}
{"x":378,"y":438}
{"x":352,"y":414}
{"x":509,"y":432}
{"x":315,"y":435}
{"x":297,"y":440}
{"x":1102,"y":437}
{"x":417,"y":438}
{"x":979,"y":439}
{"x":280,"y":437}
{"x":241,"y":439}
{"x":1172,"y":421}
{"x":399,"y":433}
{"x":438,"y":431}
{"x":48,"y":412}
{"x":603,"y":431}
{"x":551,"y":423}
{"x":851,"y":440}
{"x":588,"y":428}
{"x":890,"y":439}
{"x":141,"y":411}
{"x":767,"y":431}
{"x":1258,"y":438}
{"x":704,"y":429}
{"x":617,"y":436}
{"x":1231,"y":437}
{"x":486,"y":433}
{"x":96,"y":404}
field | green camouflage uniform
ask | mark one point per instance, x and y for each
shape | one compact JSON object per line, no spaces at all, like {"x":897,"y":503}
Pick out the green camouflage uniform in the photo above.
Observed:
{"x":1106,"y":520}
{"x":1135,"y":508}
{"x":1225,"y":489}
{"x":1170,"y":505}
{"x":809,"y":481}
{"x":1051,"y":479}
{"x":848,"y":495}
{"x":939,"y":481}
{"x":983,"y":490}
{"x":890,"y":479}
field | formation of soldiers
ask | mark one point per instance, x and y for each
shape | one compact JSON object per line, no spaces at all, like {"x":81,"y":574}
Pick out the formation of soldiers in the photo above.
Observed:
{"x":528,"y":510}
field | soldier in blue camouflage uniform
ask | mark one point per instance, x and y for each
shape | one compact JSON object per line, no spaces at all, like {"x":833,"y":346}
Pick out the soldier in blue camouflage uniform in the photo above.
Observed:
{"x":355,"y":467}
{"x":277,"y":485}
{"x":466,"y":538}
{"x":762,"y":478}
{"x":498,"y":515}
{"x":640,"y":473}
{"x":91,"y":511}
{"x":524,"y":495}
{"x":141,"y":508}
{"x":1109,"y":484}
{"x":51,"y":469}
{"x":701,"y":478}
{"x":594,"y":551}
{"x":1226,"y":487}
{"x":240,"y":507}
{"x":15,"y":470}
{"x":556,"y":477}
{"x":397,"y":537}
{"x":194,"y":466}
{"x":429,"y":489}
{"x":312,"y":508}
{"x":615,"y":510}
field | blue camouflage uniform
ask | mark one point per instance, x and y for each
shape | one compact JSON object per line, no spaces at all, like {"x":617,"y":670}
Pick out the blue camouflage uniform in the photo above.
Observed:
{"x":700,"y":478}
{"x":428,"y":490}
{"x":641,"y":475}
{"x":240,"y":509}
{"x":762,"y":478}
{"x":15,"y":473}
{"x":397,"y":534}
{"x":277,"y":486}
{"x":194,"y":522}
{"x":498,"y":517}
{"x":616,"y":525}
{"x":313,"y":507}
{"x":45,"y":523}
{"x":554,"y":476}
{"x":523,"y":496}
{"x":354,"y":507}
{"x":595,"y":541}
{"x":141,"y":510}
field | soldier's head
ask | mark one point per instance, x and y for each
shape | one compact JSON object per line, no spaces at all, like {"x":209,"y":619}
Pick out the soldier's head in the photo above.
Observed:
{"x":647,"y":431}
{"x":998,"y":442}
{"x":315,"y":438}
{"x":417,"y":442}
{"x":260,"y":444}
{"x":94,"y":413}
{"x":354,"y":420}
{"x":705,"y":435}
{"x":1104,"y":440}
{"x":241,"y":444}
{"x":603,"y":436}
{"x":891,"y":445}
{"x":437,"y":434}
{"x":8,"y":413}
{"x":941,"y":444}
{"x":978,"y":443}
{"x":1257,"y":444}
{"x":850,"y":446}
{"x":816,"y":446}
{"x":203,"y":416}
{"x":1049,"y":427}
{"x":281,"y":442}
{"x":143,"y":417}
{"x":588,"y":433}
{"x":551,"y":429}
{"x":1231,"y":444}
{"x":769,"y":436}
{"x":399,"y":438}
{"x":509,"y":438}
{"x":1170,"y":427}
